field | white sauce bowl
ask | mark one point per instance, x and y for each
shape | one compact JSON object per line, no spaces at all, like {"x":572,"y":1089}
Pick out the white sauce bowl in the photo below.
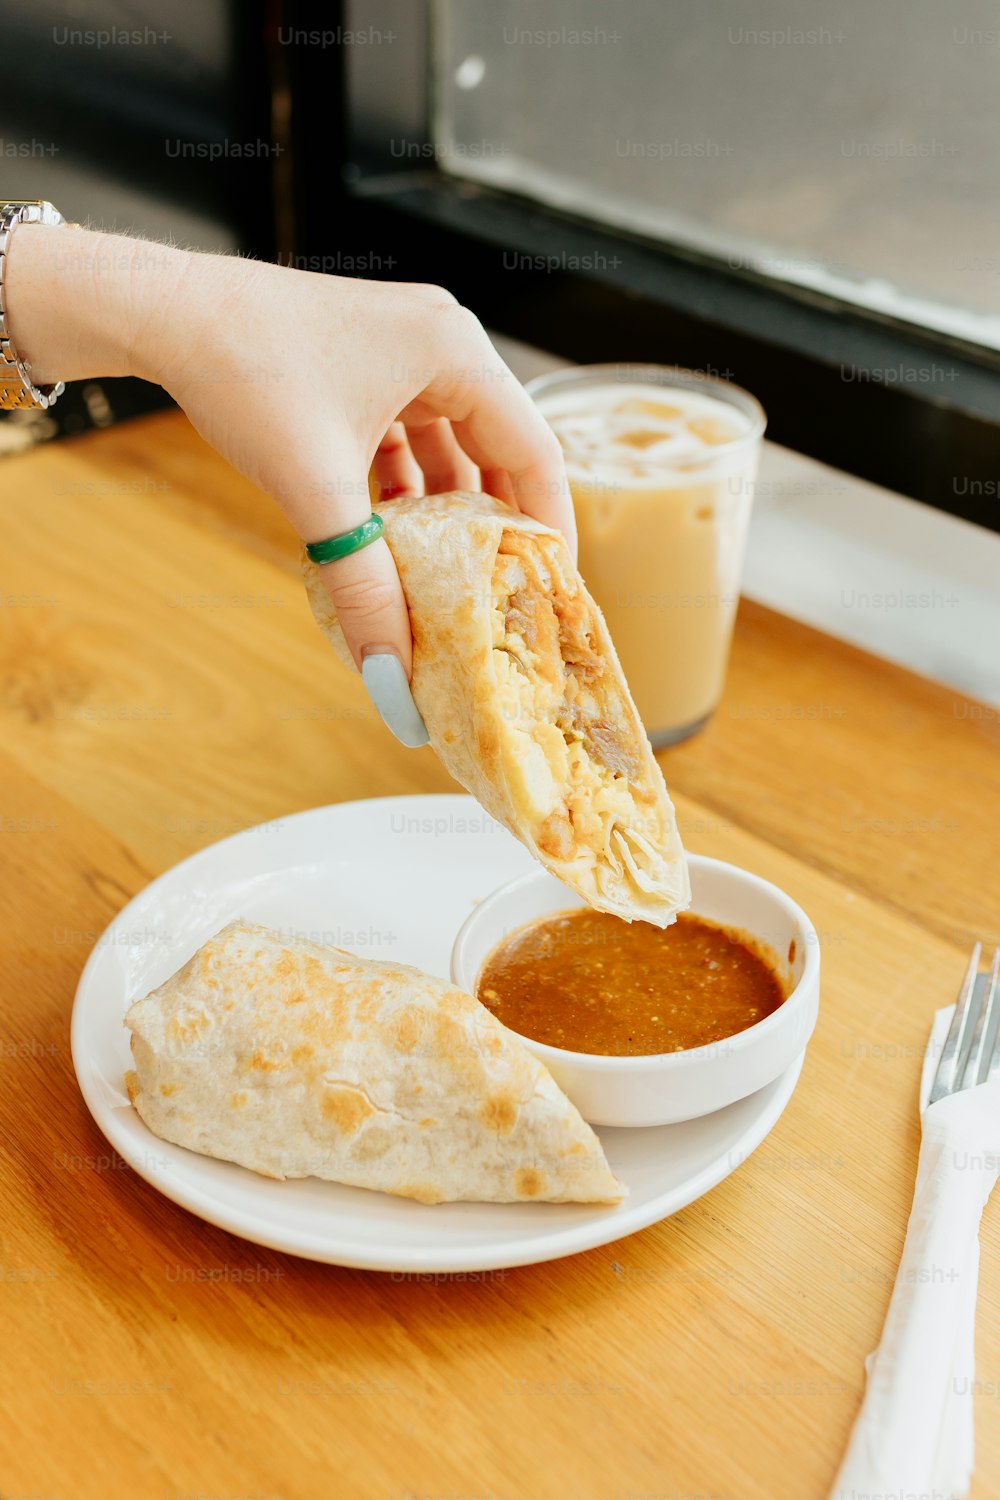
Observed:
{"x":662,"y":1088}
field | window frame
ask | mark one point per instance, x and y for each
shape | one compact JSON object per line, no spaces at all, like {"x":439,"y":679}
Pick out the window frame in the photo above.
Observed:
{"x":908,"y":408}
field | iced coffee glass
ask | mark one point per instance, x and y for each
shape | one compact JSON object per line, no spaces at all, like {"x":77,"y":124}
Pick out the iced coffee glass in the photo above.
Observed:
{"x":662,"y":465}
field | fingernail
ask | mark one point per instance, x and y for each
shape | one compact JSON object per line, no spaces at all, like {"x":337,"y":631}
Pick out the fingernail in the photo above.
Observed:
{"x":390,"y":692}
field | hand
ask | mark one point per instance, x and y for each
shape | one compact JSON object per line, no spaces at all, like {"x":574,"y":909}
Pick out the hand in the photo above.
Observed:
{"x":304,"y":382}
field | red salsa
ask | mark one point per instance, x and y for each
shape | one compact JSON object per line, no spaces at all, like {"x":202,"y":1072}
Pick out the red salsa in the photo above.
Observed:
{"x":589,"y":982}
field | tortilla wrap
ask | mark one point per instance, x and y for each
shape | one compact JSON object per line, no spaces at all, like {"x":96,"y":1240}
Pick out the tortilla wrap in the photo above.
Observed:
{"x":524,"y":698}
{"x":299,"y":1060}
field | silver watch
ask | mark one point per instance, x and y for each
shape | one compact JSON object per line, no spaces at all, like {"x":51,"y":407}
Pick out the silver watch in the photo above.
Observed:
{"x":17,"y":391}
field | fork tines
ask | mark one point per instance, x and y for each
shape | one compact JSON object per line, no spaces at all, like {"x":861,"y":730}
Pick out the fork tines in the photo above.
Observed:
{"x":971,"y":1052}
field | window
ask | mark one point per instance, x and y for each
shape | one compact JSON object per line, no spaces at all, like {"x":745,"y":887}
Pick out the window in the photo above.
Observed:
{"x":853,"y":150}
{"x":799,"y":200}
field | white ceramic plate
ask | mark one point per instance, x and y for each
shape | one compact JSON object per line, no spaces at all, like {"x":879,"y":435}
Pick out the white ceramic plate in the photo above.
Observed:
{"x":393,"y":877}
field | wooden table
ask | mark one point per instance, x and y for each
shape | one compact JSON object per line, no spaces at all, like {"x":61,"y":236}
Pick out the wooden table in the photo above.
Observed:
{"x":162,"y":685}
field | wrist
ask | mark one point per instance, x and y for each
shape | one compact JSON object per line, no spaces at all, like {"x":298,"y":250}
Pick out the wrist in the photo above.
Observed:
{"x":82,"y":304}
{"x":200,"y":332}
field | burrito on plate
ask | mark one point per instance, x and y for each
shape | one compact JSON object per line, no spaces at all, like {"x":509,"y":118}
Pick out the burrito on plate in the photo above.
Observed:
{"x":524,"y":699}
{"x":299,"y":1060}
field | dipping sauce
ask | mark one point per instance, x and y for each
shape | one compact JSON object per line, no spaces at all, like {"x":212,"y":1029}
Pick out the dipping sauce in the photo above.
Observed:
{"x":589,"y":982}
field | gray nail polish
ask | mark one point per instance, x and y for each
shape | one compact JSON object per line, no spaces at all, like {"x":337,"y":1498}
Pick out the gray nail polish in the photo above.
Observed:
{"x":390,"y":692}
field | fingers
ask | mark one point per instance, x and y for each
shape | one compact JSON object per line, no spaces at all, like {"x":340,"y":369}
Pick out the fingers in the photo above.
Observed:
{"x":367,"y":595}
{"x":443,"y":462}
{"x":365,"y":591}
{"x":395,"y":469}
{"x":496,"y":422}
{"x":497,"y":482}
{"x":364,"y":587}
{"x":422,"y":459}
{"x":501,"y":434}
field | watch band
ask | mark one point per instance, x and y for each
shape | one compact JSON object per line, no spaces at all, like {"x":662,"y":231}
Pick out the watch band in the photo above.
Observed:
{"x":17,"y":391}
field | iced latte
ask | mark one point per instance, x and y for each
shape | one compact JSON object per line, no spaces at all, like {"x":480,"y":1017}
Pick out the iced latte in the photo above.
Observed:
{"x":662,"y":464}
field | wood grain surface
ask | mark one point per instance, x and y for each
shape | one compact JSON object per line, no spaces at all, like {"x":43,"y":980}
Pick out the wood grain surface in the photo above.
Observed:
{"x":161,"y":686}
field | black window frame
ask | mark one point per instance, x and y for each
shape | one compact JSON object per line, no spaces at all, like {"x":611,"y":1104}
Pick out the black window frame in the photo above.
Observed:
{"x":907,"y":408}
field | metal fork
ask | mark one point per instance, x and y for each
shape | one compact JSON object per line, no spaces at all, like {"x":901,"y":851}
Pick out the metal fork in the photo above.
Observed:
{"x":914,"y":1432}
{"x":971,"y":1052}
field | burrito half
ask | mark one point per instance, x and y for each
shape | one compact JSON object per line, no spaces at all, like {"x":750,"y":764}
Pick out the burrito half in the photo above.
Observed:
{"x":299,"y":1060}
{"x":524,"y":699}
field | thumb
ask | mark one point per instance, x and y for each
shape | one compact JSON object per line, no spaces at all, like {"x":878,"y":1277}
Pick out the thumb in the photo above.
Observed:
{"x":366,"y":593}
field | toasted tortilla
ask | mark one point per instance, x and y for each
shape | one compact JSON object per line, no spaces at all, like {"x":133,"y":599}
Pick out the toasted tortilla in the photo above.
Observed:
{"x":299,"y":1060}
{"x":524,"y":699}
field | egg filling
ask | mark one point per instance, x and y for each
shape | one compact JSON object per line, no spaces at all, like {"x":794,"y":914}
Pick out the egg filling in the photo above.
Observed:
{"x":565,"y":729}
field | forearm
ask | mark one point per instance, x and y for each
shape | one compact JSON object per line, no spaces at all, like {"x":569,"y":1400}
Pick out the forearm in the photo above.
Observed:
{"x":82,"y":304}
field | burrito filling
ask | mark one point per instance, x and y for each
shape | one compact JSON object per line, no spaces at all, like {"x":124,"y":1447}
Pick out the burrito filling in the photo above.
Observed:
{"x":567,"y":734}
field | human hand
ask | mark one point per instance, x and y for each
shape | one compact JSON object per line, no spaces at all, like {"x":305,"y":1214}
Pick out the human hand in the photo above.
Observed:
{"x":305,"y":383}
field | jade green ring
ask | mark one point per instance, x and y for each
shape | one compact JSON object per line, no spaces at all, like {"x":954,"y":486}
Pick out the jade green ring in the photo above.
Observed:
{"x":336,"y":547}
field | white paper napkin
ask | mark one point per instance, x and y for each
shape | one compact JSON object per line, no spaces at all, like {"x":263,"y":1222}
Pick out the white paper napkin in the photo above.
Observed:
{"x":913,"y":1434}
